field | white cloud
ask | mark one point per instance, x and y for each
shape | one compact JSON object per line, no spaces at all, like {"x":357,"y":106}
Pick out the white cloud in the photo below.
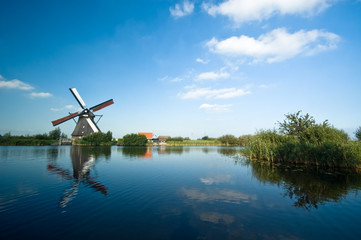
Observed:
{"x":168,"y":79}
{"x":276,"y":45}
{"x":165,"y":78}
{"x":241,"y":11}
{"x":176,"y":79}
{"x":40,"y":95}
{"x":216,"y":107}
{"x":202,"y":61}
{"x":211,"y":76}
{"x":14,"y":84}
{"x":182,"y":10}
{"x":68,"y":107}
{"x":208,"y":93}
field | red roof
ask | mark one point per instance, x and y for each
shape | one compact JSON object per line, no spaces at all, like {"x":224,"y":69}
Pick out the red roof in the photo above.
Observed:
{"x":147,"y":135}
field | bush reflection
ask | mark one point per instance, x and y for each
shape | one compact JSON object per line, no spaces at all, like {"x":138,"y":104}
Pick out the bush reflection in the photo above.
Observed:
{"x":308,"y":188}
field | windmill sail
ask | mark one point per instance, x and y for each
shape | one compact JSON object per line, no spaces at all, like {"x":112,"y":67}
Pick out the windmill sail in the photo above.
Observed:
{"x":77,"y":97}
{"x":64,"y":119}
{"x":102,"y":105}
{"x":86,"y":124}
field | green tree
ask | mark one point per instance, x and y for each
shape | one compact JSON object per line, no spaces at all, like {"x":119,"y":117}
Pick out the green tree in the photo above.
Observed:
{"x":295,"y":124}
{"x":228,"y":140}
{"x":358,"y":134}
{"x":134,"y":139}
{"x":245,"y":140}
{"x":55,"y":134}
{"x":319,"y":134}
{"x":98,"y":139}
{"x":175,"y":139}
{"x":205,"y":138}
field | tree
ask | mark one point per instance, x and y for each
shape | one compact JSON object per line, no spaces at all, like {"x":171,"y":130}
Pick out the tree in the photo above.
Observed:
{"x":134,"y":139}
{"x":55,"y":134}
{"x":205,"y":138}
{"x":228,"y":140}
{"x":245,"y":140}
{"x":295,"y":124}
{"x":175,"y":139}
{"x":98,"y":138}
{"x":358,"y":134}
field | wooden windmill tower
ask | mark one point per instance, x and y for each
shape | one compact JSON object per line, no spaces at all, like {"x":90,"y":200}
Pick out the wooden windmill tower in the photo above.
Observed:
{"x":86,"y":124}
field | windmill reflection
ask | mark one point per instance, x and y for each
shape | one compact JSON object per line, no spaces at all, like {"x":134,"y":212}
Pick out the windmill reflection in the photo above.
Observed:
{"x":83,"y":160}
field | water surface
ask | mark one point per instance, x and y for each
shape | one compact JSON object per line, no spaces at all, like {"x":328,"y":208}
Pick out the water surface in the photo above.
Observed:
{"x":169,"y":193}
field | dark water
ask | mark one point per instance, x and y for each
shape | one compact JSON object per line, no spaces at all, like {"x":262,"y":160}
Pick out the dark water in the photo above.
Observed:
{"x":169,"y":193}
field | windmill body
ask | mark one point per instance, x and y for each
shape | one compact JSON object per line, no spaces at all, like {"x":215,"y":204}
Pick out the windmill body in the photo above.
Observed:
{"x":86,"y":124}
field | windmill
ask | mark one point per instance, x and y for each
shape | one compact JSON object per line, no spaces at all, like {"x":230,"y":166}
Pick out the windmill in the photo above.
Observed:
{"x":86,"y":124}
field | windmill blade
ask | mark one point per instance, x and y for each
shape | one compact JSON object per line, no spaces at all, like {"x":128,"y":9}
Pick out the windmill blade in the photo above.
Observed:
{"x":61,"y":120}
{"x":102,"y":105}
{"x":77,"y":97}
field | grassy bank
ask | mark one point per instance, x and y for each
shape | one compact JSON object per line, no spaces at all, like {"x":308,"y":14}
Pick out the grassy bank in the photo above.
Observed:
{"x":195,"y":143}
{"x":36,"y":140}
{"x":307,"y":144}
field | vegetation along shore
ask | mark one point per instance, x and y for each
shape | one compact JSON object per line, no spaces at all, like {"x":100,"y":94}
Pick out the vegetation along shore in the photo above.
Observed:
{"x":298,"y":140}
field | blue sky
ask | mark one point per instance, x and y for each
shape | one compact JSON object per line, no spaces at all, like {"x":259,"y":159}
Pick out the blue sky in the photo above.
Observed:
{"x":180,"y":68}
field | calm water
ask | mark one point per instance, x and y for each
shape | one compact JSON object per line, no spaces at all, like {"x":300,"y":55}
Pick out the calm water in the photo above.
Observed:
{"x":169,"y":193}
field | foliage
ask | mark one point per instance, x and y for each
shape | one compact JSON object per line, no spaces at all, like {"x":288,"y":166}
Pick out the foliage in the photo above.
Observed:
{"x":245,"y":140}
{"x":175,"y":139}
{"x":318,"y":134}
{"x":205,"y":138}
{"x":228,"y":140}
{"x":55,"y":134}
{"x":194,"y":143}
{"x":97,"y":139}
{"x":120,"y":141}
{"x":306,"y":142}
{"x":358,"y":134}
{"x":295,"y":124}
{"x":134,"y":139}
{"x":35,"y":140}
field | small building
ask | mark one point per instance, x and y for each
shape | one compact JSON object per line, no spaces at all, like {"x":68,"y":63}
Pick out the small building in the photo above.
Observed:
{"x":163,"y":139}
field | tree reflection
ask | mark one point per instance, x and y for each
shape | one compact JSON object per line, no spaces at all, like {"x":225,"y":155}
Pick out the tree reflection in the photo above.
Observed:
{"x":83,"y":160}
{"x":134,"y":151}
{"x":308,"y":188}
{"x":171,"y":150}
{"x":228,"y":151}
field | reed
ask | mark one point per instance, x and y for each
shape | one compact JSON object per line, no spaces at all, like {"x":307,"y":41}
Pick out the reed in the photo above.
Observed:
{"x":332,"y":152}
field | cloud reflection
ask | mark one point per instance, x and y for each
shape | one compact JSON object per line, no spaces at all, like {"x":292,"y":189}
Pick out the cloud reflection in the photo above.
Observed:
{"x":216,"y":179}
{"x":219,"y":195}
{"x":215,"y":217}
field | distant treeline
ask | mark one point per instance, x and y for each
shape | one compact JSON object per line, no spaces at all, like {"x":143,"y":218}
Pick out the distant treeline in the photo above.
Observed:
{"x":32,"y":140}
{"x":225,"y":140}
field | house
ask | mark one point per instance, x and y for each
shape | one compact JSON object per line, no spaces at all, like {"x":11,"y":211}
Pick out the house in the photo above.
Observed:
{"x":163,"y":139}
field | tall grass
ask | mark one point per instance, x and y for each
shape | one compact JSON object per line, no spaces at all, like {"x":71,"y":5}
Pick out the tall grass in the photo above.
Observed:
{"x":330,"y":148}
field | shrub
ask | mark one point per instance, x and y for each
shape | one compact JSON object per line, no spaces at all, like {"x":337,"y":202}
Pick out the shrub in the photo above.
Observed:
{"x":358,"y":134}
{"x":319,"y":134}
{"x":175,"y":139}
{"x":245,"y":140}
{"x":228,"y":140}
{"x":97,"y":139}
{"x":134,"y":139}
